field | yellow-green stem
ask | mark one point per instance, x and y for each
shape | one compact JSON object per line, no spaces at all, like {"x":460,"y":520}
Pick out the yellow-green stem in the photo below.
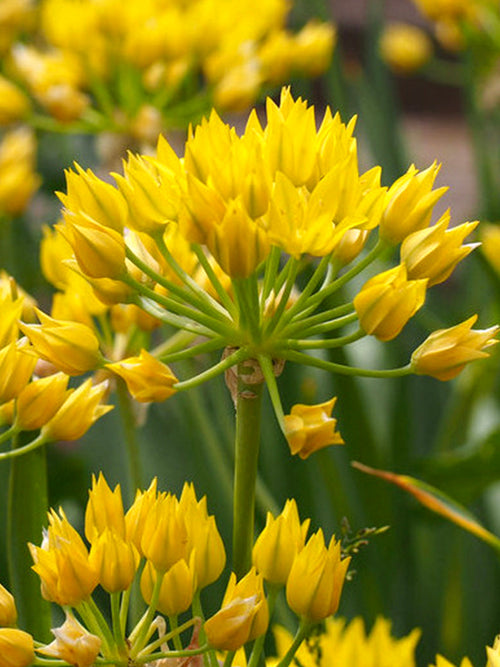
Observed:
{"x":27,"y":514}
{"x":248,"y":417}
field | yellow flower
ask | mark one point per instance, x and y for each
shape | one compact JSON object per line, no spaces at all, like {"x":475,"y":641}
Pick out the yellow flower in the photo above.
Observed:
{"x":136,"y":515}
{"x":99,"y":250}
{"x":404,"y":47}
{"x":493,"y":653}
{"x":104,"y":510}
{"x":78,"y":412}
{"x":243,"y":616}
{"x":347,"y":644}
{"x":204,"y":540}
{"x":14,"y":104}
{"x":16,"y":648}
{"x":62,"y":563}
{"x":311,"y":48}
{"x":147,"y":378}
{"x":177,"y":587}
{"x":11,"y":313}
{"x":278,"y":544}
{"x":18,"y":178}
{"x":442,"y":662}
{"x":164,"y":537}
{"x":446,"y":351}
{"x":434,"y":252}
{"x":114,"y":559}
{"x":100,"y":200}
{"x":8,"y":611}
{"x":73,"y":644}
{"x":409,"y":203}
{"x":39,"y":401}
{"x":72,"y":347}
{"x":311,"y":427}
{"x":387,"y":301}
{"x":490,"y":238}
{"x":316,"y":579}
{"x":17,"y":365}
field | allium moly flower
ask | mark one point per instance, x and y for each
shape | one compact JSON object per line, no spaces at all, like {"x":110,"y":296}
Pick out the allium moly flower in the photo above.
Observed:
{"x":387,"y":301}
{"x":316,"y":579}
{"x":73,"y":644}
{"x":104,"y":509}
{"x":405,"y":47}
{"x":8,"y":611}
{"x":82,"y":407}
{"x":147,"y":378}
{"x":72,"y":347}
{"x":243,"y":616}
{"x":16,"y":648}
{"x":350,"y":644}
{"x":278,"y":544}
{"x":309,"y":428}
{"x":446,"y":351}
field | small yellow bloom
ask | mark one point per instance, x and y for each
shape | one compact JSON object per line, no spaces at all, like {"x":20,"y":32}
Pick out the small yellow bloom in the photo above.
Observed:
{"x":493,"y":653}
{"x":72,"y":347}
{"x":73,"y":644}
{"x":164,"y":537}
{"x":204,"y":540}
{"x":243,"y":616}
{"x":312,"y":47}
{"x":311,"y":427}
{"x":78,"y":412}
{"x":490,"y":238}
{"x":177,"y":587}
{"x":115,"y":561}
{"x":18,"y":178}
{"x":387,"y":301}
{"x":136,"y":515}
{"x":100,"y":200}
{"x":16,"y":648}
{"x":65,"y":571}
{"x":409,"y":203}
{"x":8,"y":611}
{"x":104,"y":510}
{"x":434,"y":252}
{"x":11,"y":313}
{"x":316,"y":579}
{"x":404,"y":47}
{"x":17,"y":368}
{"x":278,"y":544}
{"x":446,"y":351}
{"x":14,"y":105}
{"x":147,"y":378}
{"x":99,"y":250}
{"x":39,"y":401}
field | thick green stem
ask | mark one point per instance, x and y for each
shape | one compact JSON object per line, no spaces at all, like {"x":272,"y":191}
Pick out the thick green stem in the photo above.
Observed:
{"x":27,"y":514}
{"x":248,"y":417}
{"x":132,"y":447}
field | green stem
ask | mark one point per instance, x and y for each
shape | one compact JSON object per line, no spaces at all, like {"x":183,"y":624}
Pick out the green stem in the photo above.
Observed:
{"x":248,"y":418}
{"x":259,"y":642}
{"x":134,"y":464}
{"x":235,"y":358}
{"x":272,"y":387}
{"x":224,"y":297}
{"x":118,"y":634}
{"x":328,"y":343}
{"x":25,"y":449}
{"x":302,"y":632}
{"x":307,"y":360}
{"x":27,"y":514}
{"x":142,"y":629}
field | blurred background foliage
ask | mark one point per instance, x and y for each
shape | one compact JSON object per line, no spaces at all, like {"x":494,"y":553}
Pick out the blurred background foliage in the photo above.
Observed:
{"x":421,"y":572}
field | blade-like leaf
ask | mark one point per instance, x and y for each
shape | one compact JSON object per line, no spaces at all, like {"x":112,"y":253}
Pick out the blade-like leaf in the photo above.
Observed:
{"x":436,"y":501}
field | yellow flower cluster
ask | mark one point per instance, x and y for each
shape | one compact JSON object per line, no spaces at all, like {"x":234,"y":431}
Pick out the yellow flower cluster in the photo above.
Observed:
{"x":36,"y":398}
{"x":141,"y":63}
{"x":220,"y":245}
{"x":173,"y":546}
